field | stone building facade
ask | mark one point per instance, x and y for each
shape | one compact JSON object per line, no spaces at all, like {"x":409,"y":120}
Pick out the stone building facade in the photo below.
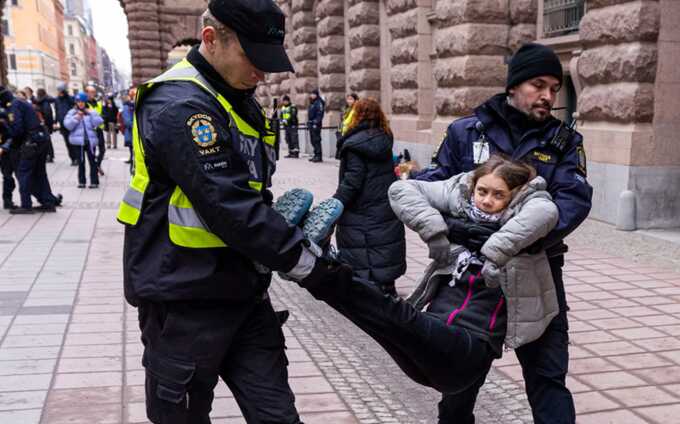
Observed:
{"x":432,"y":61}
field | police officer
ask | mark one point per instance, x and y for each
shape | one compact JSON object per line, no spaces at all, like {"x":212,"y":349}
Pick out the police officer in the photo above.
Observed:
{"x":315,"y":112}
{"x":518,"y":123}
{"x":26,"y":141}
{"x":201,"y":237}
{"x":289,"y":120}
{"x":9,"y":159}
{"x":98,"y":107}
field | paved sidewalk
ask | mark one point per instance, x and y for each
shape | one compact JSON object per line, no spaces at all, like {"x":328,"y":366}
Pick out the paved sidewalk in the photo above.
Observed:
{"x":70,"y":350}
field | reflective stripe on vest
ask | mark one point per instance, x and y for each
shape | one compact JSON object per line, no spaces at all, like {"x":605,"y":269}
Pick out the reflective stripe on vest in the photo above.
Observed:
{"x":186,"y":228}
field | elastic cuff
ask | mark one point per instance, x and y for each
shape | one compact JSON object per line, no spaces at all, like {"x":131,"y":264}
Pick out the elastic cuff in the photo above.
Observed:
{"x":304,"y":266}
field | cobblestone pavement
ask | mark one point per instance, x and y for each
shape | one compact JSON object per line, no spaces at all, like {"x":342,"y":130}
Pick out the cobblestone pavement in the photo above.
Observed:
{"x":70,"y":350}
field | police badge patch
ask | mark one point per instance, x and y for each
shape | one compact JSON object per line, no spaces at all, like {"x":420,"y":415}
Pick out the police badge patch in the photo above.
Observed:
{"x":202,"y":130}
{"x":581,"y":165}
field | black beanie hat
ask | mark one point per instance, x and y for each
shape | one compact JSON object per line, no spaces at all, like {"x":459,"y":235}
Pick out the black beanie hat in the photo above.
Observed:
{"x":530,"y":61}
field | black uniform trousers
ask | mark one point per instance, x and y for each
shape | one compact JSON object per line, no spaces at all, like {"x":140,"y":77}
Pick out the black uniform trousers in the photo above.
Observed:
{"x":315,"y":139}
{"x":292,"y":140}
{"x":101,"y":145}
{"x":188,"y":345}
{"x":544,"y":365}
{"x":9,"y":163}
{"x":33,"y":181}
{"x":448,"y":358}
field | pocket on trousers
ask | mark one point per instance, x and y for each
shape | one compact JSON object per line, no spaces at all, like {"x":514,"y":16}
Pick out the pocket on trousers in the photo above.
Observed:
{"x":173,"y":376}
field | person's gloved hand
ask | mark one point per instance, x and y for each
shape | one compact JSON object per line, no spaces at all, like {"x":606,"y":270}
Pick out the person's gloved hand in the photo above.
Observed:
{"x":493,"y":274}
{"x":440,"y":248}
{"x":469,"y":234}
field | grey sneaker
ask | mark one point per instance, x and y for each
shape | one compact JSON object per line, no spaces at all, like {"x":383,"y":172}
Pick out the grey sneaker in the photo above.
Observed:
{"x":320,"y":221}
{"x":294,"y":205}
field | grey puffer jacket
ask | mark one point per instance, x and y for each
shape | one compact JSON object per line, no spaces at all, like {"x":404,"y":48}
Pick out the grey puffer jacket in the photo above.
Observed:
{"x":525,"y":279}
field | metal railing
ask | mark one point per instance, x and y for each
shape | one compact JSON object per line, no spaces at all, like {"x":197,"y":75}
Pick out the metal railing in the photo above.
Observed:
{"x":561,"y":17}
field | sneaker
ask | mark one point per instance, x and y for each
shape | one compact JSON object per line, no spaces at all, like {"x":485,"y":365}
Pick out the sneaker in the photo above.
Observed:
{"x":21,"y":211}
{"x":81,"y":185}
{"x":45,"y":208}
{"x":294,"y":205}
{"x":321,"y":220}
{"x":292,"y":156}
{"x":316,"y":159}
{"x":94,"y":185}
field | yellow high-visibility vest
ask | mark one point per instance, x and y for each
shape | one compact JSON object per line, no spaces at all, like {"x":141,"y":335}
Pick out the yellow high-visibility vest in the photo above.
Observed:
{"x":186,"y":228}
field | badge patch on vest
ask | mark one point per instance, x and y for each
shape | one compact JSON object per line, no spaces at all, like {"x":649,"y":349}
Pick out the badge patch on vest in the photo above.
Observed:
{"x":543,"y":157}
{"x":202,"y":130}
{"x":581,"y":165}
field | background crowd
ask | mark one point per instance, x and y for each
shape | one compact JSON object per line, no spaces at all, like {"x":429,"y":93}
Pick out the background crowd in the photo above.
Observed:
{"x":89,"y":123}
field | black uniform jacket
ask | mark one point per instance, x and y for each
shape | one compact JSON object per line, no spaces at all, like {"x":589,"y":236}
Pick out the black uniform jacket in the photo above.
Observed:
{"x":215,"y":179}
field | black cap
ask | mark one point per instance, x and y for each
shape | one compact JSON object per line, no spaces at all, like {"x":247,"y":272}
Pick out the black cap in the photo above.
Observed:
{"x":6,"y":97}
{"x":530,"y":61}
{"x":261,"y":28}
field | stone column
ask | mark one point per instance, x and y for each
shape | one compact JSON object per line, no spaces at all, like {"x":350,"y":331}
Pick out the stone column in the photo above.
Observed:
{"x":145,"y":38}
{"x":304,"y":51}
{"x":331,"y":42}
{"x":411,"y":70}
{"x":275,"y":82}
{"x":363,"y":18}
{"x":618,"y":68}
{"x":471,"y":43}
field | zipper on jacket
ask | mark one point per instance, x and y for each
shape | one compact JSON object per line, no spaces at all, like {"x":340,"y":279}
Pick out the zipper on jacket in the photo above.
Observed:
{"x":471,"y":282}
{"x":495,"y":313}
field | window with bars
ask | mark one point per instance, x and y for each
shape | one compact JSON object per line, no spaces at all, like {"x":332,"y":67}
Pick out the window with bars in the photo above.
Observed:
{"x":562,"y":17}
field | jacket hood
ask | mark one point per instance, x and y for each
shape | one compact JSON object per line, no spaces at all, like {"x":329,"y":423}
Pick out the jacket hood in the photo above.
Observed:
{"x":372,"y":143}
{"x":460,"y":197}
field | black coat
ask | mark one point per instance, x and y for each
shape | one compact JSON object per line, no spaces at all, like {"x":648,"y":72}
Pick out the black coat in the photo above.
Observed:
{"x":370,"y":237}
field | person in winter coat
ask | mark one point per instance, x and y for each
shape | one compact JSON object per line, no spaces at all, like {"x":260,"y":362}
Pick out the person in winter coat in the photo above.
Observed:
{"x":370,"y":237}
{"x":82,"y":122}
{"x":128,"y":116}
{"x":110,"y":115}
{"x":63,"y":103}
{"x":451,"y":345}
{"x":348,"y":112}
{"x":315,"y":112}
{"x":43,"y":104}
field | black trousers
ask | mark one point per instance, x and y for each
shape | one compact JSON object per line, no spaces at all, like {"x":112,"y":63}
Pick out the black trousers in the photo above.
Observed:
{"x":101,"y":146}
{"x":188,"y":345}
{"x":315,"y":139}
{"x":71,"y":149}
{"x":448,"y":358}
{"x":292,"y":140}
{"x":85,"y":153}
{"x":33,"y":181}
{"x":544,"y":367}
{"x":9,"y":163}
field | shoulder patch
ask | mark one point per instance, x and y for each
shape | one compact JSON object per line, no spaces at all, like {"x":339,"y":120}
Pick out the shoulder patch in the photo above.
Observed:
{"x":581,"y":165}
{"x":202,"y":130}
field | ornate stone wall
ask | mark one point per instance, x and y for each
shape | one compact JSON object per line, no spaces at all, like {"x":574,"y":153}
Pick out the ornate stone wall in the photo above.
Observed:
{"x":364,"y":76}
{"x":403,"y":25}
{"x":154,"y":27}
{"x":618,"y":64}
{"x":470,"y":42}
{"x":330,"y":18}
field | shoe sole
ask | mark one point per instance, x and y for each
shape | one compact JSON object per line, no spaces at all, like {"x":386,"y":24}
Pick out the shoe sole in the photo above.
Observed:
{"x":321,"y":219}
{"x":294,"y":205}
